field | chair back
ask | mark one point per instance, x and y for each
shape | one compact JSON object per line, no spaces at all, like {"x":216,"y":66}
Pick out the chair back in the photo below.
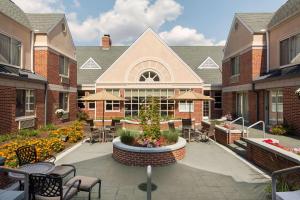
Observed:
{"x":211,"y":130}
{"x":171,"y":126}
{"x":118,"y":126}
{"x":114,"y":121}
{"x":186,"y":123}
{"x":26,"y":154}
{"x":45,"y":185}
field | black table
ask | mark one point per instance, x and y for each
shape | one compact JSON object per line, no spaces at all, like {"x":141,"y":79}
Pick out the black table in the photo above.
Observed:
{"x":39,"y":167}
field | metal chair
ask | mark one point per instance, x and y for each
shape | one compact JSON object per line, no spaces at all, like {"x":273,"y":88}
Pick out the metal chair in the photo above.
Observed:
{"x":290,"y":195}
{"x":44,"y":187}
{"x":187,"y":128}
{"x":210,"y":133}
{"x":171,"y":126}
{"x":94,"y":134}
{"x":112,"y":133}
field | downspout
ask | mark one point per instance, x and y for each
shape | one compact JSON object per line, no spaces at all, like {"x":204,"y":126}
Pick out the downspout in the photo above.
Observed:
{"x":268,"y":51}
{"x":32,"y":52}
{"x":46,"y":102}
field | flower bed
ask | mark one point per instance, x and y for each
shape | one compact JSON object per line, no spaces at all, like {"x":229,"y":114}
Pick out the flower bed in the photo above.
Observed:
{"x":276,"y":144}
{"x":48,"y":143}
{"x":143,"y":156}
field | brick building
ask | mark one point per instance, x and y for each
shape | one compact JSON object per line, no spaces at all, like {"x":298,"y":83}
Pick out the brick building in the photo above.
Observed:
{"x":149,"y":67}
{"x":37,"y":68}
{"x":261,"y":66}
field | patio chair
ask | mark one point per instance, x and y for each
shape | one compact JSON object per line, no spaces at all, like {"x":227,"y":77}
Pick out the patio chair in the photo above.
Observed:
{"x":111,"y":134}
{"x":290,"y":195}
{"x":49,"y":186}
{"x":187,"y":129}
{"x":94,"y":133}
{"x":210,"y":133}
{"x":171,"y":126}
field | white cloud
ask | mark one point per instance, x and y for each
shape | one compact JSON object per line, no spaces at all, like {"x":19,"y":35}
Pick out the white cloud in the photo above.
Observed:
{"x":179,"y":35}
{"x":40,"y":6}
{"x":76,"y":3}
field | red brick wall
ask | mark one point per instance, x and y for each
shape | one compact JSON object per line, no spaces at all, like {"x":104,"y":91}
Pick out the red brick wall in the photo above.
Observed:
{"x":7,"y":109}
{"x":259,"y":62}
{"x":229,"y":103}
{"x":291,"y":108}
{"x":145,"y":159}
{"x":40,"y":108}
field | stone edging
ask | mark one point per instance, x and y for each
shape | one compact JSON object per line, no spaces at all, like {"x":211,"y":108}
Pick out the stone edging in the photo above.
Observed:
{"x":180,"y":144}
{"x":268,"y":147}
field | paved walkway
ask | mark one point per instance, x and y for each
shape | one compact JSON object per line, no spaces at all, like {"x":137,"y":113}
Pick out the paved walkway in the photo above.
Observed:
{"x":289,"y":141}
{"x":207,"y":172}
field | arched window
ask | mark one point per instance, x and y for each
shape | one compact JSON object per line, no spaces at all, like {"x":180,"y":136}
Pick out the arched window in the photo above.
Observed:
{"x":149,"y":76}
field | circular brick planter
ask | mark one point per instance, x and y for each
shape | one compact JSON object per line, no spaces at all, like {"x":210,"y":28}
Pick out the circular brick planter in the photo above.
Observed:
{"x":142,"y":156}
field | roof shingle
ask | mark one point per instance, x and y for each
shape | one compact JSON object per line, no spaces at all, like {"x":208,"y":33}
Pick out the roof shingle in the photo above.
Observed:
{"x":257,"y":22}
{"x":43,"y":23}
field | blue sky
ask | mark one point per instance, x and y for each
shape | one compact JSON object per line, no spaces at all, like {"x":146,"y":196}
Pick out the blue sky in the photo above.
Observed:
{"x":178,"y":22}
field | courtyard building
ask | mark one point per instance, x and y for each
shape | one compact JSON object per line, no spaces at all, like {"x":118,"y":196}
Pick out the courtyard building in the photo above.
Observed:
{"x":37,"y":69}
{"x":261,"y":66}
{"x":150,"y":68}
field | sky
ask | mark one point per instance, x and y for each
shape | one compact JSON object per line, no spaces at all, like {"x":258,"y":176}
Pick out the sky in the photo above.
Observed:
{"x":178,"y":22}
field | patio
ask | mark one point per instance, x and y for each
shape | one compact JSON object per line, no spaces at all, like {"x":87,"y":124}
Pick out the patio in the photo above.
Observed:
{"x":207,"y":172}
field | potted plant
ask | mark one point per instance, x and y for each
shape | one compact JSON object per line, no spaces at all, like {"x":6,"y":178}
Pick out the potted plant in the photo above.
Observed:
{"x":297,"y":92}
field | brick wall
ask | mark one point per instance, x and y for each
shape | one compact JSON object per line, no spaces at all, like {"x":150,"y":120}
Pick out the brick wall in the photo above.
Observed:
{"x":145,"y":159}
{"x":7,"y":109}
{"x":216,"y":113}
{"x":40,"y":108}
{"x":229,"y":103}
{"x":291,"y":108}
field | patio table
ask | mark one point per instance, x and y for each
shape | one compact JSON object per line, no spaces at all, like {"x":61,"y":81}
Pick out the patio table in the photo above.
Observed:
{"x":39,"y":167}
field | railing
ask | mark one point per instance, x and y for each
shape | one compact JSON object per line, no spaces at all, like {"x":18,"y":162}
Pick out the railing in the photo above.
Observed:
{"x":259,"y":122}
{"x":149,"y":184}
{"x":243,"y":120}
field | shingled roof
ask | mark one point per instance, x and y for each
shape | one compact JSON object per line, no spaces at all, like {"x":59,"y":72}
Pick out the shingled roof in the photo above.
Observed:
{"x":256,"y":22}
{"x":11,"y":10}
{"x":194,"y":56}
{"x":290,"y":8}
{"x":43,"y":23}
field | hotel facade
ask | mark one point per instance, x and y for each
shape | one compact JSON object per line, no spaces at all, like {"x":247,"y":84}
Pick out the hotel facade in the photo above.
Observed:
{"x":149,"y":67}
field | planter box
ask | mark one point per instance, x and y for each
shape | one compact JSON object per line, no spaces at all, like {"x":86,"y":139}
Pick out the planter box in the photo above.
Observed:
{"x":269,"y":157}
{"x":224,"y":136}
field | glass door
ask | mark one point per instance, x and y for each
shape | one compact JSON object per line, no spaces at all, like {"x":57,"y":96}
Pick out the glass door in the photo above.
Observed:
{"x":242,"y":104}
{"x":206,"y":106}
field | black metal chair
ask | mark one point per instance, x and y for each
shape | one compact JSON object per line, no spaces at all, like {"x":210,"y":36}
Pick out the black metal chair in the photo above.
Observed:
{"x":94,"y":133}
{"x":171,"y":126}
{"x":44,"y":187}
{"x":112,"y":133}
{"x":187,"y":128}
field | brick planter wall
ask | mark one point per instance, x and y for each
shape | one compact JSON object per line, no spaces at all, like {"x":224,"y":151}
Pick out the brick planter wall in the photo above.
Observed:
{"x":222,"y":136}
{"x":269,"y":159}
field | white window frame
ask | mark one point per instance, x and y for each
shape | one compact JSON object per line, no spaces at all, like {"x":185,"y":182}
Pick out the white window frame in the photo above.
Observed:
{"x":185,"y":106}
{"x":68,"y":68}
{"x":65,"y":93}
{"x":235,"y":66}
{"x":89,"y":108}
{"x":113,"y":102}
{"x":21,"y":49}
{"x":27,"y":98}
{"x":289,"y":38}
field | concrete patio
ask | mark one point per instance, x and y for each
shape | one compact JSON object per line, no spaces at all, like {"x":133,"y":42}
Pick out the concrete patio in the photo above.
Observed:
{"x":207,"y":172}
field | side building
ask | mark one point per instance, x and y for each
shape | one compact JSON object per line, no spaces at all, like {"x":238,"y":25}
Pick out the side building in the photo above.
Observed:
{"x":149,"y":67}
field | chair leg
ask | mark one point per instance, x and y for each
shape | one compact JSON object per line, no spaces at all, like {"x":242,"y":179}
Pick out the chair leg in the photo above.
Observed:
{"x":99,"y":192}
{"x":90,"y":194}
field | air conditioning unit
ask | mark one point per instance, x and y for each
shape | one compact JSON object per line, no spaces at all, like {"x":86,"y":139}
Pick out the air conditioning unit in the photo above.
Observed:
{"x":64,"y":80}
{"x":27,"y":123}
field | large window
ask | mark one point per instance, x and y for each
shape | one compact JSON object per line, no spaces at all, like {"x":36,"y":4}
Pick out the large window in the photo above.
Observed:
{"x":276,"y":107}
{"x":63,"y":66}
{"x":10,"y":50}
{"x":64,"y":101}
{"x":289,"y":49}
{"x":235,"y":65}
{"x":218,"y":99}
{"x":25,"y":103}
{"x":137,"y":98}
{"x":113,"y":106}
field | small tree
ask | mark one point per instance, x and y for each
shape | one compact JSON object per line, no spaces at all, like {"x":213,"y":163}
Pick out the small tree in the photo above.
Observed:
{"x":150,"y":119}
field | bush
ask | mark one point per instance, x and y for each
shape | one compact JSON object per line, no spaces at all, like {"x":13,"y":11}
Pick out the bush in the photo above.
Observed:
{"x":127,"y":137}
{"x":28,"y":133}
{"x":48,"y":127}
{"x":171,"y":137}
{"x":82,"y":116}
{"x":278,"y":130}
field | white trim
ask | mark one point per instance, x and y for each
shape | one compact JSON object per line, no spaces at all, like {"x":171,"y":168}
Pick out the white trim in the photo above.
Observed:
{"x":24,"y":118}
{"x":139,"y":38}
{"x":142,"y":85}
{"x":94,"y":102}
{"x":86,"y":86}
{"x":92,"y":60}
{"x":61,"y":88}
{"x":204,"y":62}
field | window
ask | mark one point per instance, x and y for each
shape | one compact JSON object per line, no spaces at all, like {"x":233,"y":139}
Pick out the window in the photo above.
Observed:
{"x":63,"y":66}
{"x":10,"y":50}
{"x":289,"y":49}
{"x":218,"y":99}
{"x":149,"y":76}
{"x":25,"y":103}
{"x":235,"y":65}
{"x":64,"y":101}
{"x":206,"y":106}
{"x":80,"y":103}
{"x":136,"y":99}
{"x":276,"y":104}
{"x":92,"y":105}
{"x":186,"y":106}
{"x":113,"y":106}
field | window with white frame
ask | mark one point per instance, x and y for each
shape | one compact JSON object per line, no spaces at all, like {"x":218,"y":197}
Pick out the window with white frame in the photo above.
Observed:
{"x":289,"y":49}
{"x":235,"y":65}
{"x":149,"y":76}
{"x":92,"y":105}
{"x":25,"y":103}
{"x":63,"y":66}
{"x":185,"y":106}
{"x":64,"y":101}
{"x":218,"y":99}
{"x":10,"y":50}
{"x":276,"y":104}
{"x":113,"y":106}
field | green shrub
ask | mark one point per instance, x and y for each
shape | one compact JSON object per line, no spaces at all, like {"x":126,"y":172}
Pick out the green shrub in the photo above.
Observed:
{"x":28,"y":133}
{"x":278,"y":130}
{"x":48,"y":127}
{"x":171,"y":137}
{"x":127,"y":137}
{"x":6,"y":137}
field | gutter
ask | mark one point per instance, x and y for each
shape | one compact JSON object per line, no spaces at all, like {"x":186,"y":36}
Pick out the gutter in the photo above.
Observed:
{"x":46,"y":102}
{"x":268,"y":51}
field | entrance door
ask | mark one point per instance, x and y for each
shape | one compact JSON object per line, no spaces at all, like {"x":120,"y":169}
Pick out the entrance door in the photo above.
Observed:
{"x":206,"y":106}
{"x":242,"y":104}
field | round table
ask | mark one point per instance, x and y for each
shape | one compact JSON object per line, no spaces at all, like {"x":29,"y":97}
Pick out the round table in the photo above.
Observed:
{"x":40,"y":167}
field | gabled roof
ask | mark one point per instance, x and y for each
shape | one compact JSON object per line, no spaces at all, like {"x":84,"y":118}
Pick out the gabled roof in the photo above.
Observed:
{"x":43,"y":23}
{"x":11,"y":10}
{"x":287,"y":10}
{"x":255,"y":22}
{"x":193,"y":56}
